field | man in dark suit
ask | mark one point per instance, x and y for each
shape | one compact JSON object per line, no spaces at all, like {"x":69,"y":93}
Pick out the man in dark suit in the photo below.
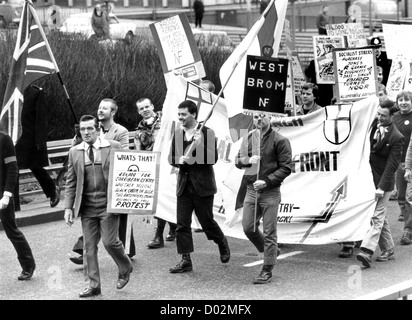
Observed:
{"x":8,"y":179}
{"x":386,"y":150}
{"x":31,"y":148}
{"x":86,"y":192}
{"x":196,"y":184}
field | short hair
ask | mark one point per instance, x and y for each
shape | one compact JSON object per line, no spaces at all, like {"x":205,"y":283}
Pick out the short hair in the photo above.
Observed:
{"x":403,"y":94}
{"x":114,"y":106}
{"x":88,"y":117}
{"x":143,"y":99}
{"x":190,"y":105}
{"x":390,"y":105}
{"x":381,"y":87}
{"x":314,"y":87}
{"x":209,"y":84}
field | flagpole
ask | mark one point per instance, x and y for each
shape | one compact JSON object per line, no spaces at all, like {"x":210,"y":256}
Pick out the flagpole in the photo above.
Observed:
{"x":257,"y":175}
{"x":37,"y":20}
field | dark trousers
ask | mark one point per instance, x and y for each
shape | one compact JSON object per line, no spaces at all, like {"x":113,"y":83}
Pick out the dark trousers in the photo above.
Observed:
{"x":198,"y":20}
{"x":17,"y":238}
{"x":78,"y":246}
{"x":161,"y":225}
{"x":46,"y":182}
{"x":203,"y":207}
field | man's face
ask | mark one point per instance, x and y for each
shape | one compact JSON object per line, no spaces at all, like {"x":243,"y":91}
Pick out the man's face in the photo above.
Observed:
{"x":145,"y":109}
{"x":382,"y":96}
{"x":384,"y":116}
{"x":307,"y":97}
{"x":380,"y":75}
{"x":404,"y":104}
{"x":258,"y":121}
{"x":186,"y":119}
{"x":88,"y":131}
{"x":104,"y":112}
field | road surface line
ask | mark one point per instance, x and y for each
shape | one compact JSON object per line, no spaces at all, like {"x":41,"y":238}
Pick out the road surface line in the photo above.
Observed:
{"x":282,"y":256}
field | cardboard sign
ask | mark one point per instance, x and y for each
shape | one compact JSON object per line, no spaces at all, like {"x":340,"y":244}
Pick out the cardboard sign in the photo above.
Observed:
{"x":323,"y":47}
{"x":265,"y":84}
{"x":397,"y":76}
{"x":355,"y":71}
{"x":396,"y":36}
{"x":353,"y":32}
{"x":177,"y":47}
{"x":133,"y":182}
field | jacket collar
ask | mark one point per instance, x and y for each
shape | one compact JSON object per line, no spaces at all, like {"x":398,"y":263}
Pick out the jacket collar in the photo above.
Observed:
{"x":103,"y":144}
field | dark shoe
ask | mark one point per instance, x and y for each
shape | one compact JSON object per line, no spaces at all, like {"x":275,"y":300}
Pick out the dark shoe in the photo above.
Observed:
{"x":90,"y":292}
{"x":346,"y":252}
{"x":264,"y":276}
{"x":55,"y":199}
{"x":401,"y":218}
{"x":26,"y":274}
{"x":171,"y":236}
{"x":224,"y":251}
{"x":77,"y":260}
{"x":124,"y":279}
{"x":406,"y":238}
{"x":157,"y":242}
{"x":365,"y":258}
{"x":386,"y":255}
{"x":185,"y":265}
{"x":197,"y":230}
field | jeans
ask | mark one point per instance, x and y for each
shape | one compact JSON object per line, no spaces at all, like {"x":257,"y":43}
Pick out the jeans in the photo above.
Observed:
{"x":379,"y":235}
{"x":267,"y":207}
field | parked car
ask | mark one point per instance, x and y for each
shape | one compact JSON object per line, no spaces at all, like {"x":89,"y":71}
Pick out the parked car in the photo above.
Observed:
{"x":81,"y":23}
{"x":380,"y":10}
{"x":10,"y":13}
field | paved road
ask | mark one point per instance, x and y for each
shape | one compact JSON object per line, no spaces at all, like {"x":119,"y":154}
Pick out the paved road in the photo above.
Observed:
{"x":303,"y":272}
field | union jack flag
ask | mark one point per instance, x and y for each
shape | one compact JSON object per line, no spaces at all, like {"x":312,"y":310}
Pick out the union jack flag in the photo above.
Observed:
{"x":32,"y":59}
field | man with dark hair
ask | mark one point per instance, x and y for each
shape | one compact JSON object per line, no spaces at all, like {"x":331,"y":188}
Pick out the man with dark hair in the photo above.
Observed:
{"x":86,"y":195}
{"x":8,"y":179}
{"x":267,"y":157}
{"x":194,"y":152}
{"x":310,"y":92}
{"x":322,"y":20}
{"x":386,"y":148}
{"x":144,"y":139}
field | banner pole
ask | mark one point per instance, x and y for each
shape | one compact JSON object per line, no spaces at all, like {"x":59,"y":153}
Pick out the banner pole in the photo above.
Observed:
{"x":257,"y":175}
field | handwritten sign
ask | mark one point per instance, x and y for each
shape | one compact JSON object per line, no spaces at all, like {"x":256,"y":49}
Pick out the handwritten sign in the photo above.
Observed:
{"x":133,"y":182}
{"x":355,"y":70}
{"x":396,"y":34}
{"x":353,"y":32}
{"x":265,"y":84}
{"x":177,"y":47}
{"x":400,"y":69}
{"x":323,"y":47}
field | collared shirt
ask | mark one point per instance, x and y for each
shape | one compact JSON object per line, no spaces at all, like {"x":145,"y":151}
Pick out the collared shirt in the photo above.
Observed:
{"x":96,"y":150}
{"x":189,"y":133}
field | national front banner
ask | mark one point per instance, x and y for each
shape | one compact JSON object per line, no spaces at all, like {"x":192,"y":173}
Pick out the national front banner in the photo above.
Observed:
{"x":330,"y":195}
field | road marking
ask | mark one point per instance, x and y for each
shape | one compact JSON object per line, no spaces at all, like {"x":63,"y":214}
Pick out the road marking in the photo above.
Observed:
{"x":282,"y":256}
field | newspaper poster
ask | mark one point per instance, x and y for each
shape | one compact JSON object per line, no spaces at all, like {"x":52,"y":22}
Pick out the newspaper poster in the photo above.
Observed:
{"x":355,"y":70}
{"x":298,"y":80}
{"x":353,"y":32}
{"x":177,"y":47}
{"x":408,"y":81}
{"x":133,"y":182}
{"x":400,"y":69}
{"x":323,"y":47}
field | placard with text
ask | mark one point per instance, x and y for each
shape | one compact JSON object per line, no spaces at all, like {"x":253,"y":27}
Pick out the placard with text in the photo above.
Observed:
{"x":265,"y":85}
{"x":133,"y":182}
{"x":355,"y":71}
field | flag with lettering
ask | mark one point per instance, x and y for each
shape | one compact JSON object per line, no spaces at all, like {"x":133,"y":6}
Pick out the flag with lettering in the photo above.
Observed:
{"x":263,"y":39}
{"x":31,"y":61}
{"x":329,"y":196}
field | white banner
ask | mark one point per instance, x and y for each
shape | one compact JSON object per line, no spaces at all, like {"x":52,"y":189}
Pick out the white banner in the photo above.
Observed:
{"x":328,"y":198}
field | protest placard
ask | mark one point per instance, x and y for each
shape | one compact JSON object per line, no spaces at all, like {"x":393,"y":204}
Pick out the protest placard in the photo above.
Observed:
{"x":177,"y":47}
{"x":298,"y":81}
{"x":353,"y":32}
{"x":323,"y":47}
{"x":133,"y":182}
{"x":355,"y":70}
{"x":400,"y":69}
{"x":396,"y":34}
{"x":265,"y":84}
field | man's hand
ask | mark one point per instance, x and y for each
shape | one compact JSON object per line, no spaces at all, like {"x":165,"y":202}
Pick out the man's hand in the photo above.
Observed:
{"x":259,"y":185}
{"x":379,"y":194}
{"x":4,"y":202}
{"x":68,"y":217}
{"x":183,"y":159}
{"x":254,"y":159}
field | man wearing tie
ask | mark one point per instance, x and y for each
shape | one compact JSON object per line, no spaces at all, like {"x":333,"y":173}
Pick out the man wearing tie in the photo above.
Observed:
{"x":386,"y":149}
{"x":86,"y":192}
